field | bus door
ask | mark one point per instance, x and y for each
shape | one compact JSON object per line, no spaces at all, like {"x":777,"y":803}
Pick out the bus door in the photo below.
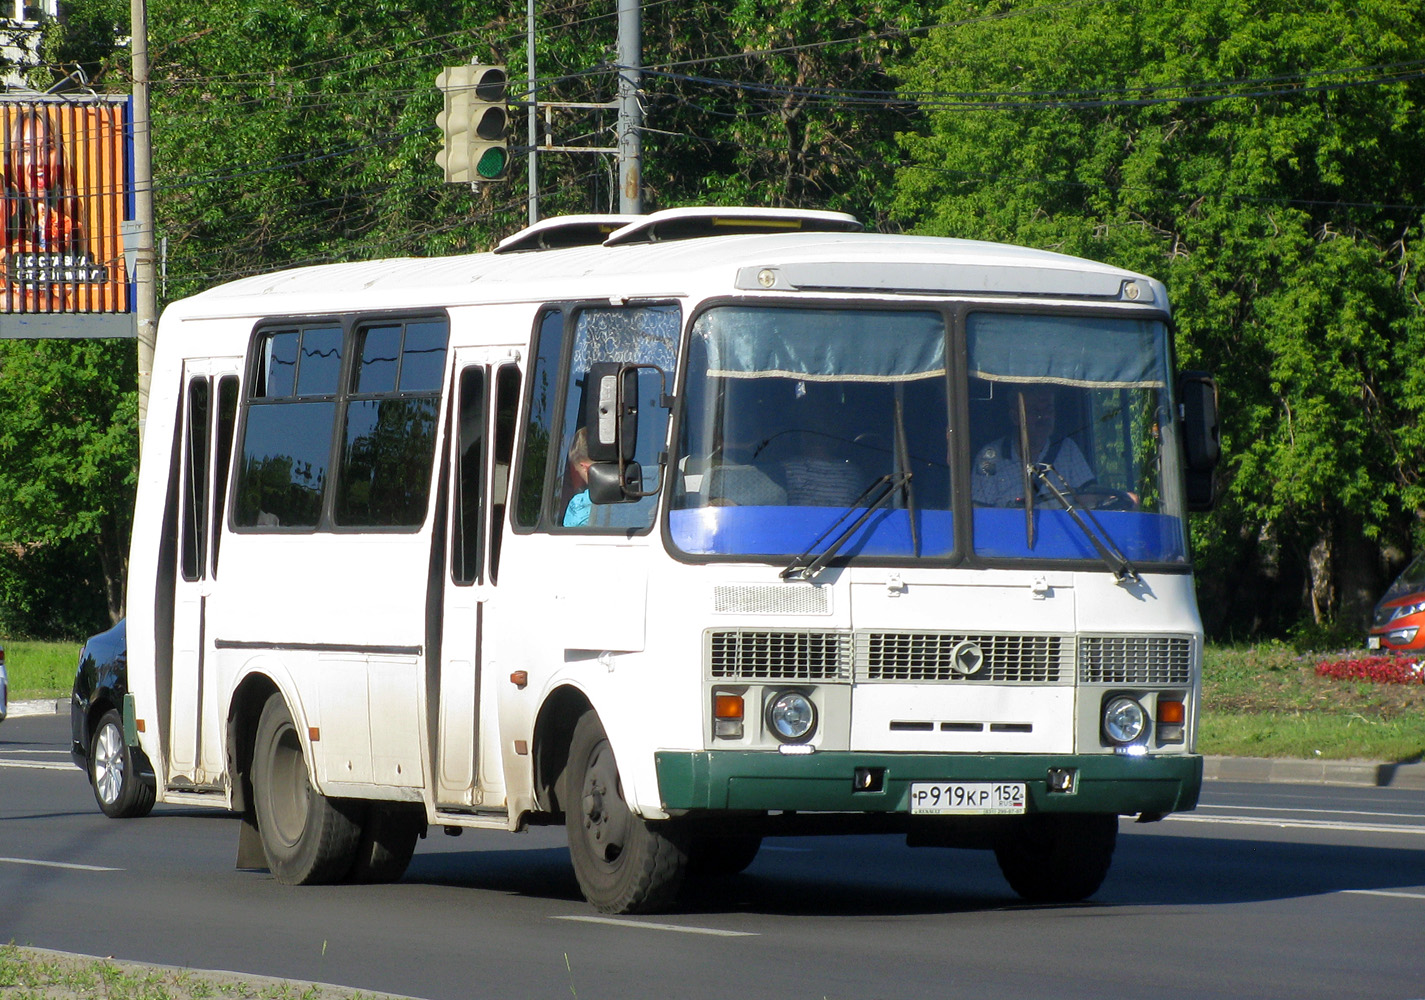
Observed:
{"x":484,"y":403}
{"x":210,"y":396}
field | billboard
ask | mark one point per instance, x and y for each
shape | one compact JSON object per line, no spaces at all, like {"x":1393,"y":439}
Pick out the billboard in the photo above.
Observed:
{"x":66,"y":191}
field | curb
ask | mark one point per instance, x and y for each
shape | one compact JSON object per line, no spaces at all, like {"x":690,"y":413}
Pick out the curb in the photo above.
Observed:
{"x":1284,"y":771}
{"x":1274,"y":770}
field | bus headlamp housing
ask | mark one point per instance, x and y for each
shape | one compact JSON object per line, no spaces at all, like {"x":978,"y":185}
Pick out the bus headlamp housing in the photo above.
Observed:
{"x":791,"y":717}
{"x":1124,"y":721}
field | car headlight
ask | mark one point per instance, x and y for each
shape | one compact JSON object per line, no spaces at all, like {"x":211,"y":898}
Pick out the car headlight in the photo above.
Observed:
{"x":792,"y":717}
{"x":1407,"y":609}
{"x":1124,"y":720}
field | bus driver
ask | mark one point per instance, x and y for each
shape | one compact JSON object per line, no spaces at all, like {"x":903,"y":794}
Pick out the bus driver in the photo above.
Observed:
{"x":998,"y":471}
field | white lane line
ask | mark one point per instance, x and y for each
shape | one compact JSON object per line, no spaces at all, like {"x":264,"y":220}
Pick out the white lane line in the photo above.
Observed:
{"x":1205,"y":807}
{"x":1296,"y":824}
{"x":38,"y":753}
{"x":675,"y":928}
{"x":37,"y":765}
{"x":1384,"y":892}
{"x":58,"y":864}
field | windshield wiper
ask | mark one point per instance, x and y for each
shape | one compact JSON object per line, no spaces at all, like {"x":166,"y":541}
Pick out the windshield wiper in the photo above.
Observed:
{"x":1102,"y":541}
{"x":882,"y":489}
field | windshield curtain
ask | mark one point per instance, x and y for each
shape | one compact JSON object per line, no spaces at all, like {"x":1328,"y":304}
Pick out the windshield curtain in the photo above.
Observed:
{"x":1089,"y":397}
{"x":794,"y":416}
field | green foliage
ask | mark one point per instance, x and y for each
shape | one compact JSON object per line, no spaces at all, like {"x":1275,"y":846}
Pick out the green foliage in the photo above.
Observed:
{"x":40,"y":669}
{"x":67,"y":455}
{"x":1240,"y":152}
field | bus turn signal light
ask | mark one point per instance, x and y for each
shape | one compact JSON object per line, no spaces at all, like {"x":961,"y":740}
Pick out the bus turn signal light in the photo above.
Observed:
{"x":1171,"y":713}
{"x":727,"y":716}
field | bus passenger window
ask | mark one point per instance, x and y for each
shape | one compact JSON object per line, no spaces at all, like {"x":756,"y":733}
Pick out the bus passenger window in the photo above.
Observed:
{"x":286,"y":444}
{"x":388,"y":444}
{"x":507,"y":404}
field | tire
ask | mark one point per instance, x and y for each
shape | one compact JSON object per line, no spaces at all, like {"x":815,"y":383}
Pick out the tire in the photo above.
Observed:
{"x":713,"y":856}
{"x":624,"y":863}
{"x":1058,"y":857}
{"x":122,"y":793}
{"x":388,"y":839}
{"x":308,"y":839}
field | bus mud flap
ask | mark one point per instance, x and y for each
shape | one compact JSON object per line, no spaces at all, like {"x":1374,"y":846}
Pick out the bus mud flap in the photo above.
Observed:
{"x":250,"y":856}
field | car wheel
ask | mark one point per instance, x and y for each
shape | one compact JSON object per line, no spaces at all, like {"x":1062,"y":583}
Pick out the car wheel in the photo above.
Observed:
{"x":388,"y":839}
{"x":624,"y":863}
{"x":122,"y":793}
{"x":307,"y":838}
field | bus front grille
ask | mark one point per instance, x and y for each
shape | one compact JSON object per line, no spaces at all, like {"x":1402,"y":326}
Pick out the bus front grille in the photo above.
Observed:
{"x":931,"y":657}
{"x":792,"y":655}
{"x":1135,"y":659}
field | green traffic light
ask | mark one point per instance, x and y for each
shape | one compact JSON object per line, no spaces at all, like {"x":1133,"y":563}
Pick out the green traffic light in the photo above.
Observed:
{"x":492,"y":162}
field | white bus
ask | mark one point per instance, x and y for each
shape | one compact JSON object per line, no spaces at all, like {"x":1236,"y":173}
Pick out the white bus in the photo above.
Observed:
{"x":682,"y":530}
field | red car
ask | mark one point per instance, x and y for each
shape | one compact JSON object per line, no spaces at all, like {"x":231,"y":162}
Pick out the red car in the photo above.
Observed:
{"x":1400,"y":615}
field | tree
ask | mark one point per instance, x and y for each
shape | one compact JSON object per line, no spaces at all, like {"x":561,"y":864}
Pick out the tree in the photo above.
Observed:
{"x":1261,"y":157}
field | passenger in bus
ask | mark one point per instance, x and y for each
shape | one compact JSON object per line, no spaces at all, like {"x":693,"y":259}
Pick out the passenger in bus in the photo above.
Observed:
{"x":576,"y":481}
{"x":997,"y":477}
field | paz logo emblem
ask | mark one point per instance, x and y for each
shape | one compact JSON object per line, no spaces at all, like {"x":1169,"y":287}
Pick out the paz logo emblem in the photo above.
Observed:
{"x":967,"y":658}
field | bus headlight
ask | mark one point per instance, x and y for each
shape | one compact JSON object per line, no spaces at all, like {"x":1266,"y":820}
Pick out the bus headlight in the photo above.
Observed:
{"x":1124,"y":720}
{"x":792,"y":717}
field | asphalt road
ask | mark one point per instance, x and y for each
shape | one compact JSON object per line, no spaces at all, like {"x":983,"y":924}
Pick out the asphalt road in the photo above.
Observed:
{"x":1266,"y":891}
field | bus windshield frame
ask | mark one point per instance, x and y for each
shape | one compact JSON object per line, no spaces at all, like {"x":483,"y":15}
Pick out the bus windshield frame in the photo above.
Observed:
{"x":796,"y":421}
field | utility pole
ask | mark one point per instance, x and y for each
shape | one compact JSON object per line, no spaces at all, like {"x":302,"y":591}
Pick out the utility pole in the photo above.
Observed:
{"x":630,"y":112}
{"x":146,"y":301}
{"x":533,"y":126}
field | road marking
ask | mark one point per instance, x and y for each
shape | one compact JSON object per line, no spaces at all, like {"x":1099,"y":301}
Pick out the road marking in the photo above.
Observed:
{"x":1296,"y":809}
{"x":1297,"y":824}
{"x":676,"y":928}
{"x":37,"y":765}
{"x":59,"y":864}
{"x":1384,"y":892}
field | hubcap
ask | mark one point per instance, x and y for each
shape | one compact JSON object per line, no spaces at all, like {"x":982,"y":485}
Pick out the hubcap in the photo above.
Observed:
{"x":605,"y":815}
{"x":109,"y":763}
{"x":289,"y":793}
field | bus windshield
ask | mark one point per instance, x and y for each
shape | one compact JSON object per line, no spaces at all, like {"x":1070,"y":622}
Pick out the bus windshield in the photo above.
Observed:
{"x":798,"y":421}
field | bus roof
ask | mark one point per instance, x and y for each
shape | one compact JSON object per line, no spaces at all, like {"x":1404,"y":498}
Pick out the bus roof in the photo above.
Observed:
{"x":819,"y":261}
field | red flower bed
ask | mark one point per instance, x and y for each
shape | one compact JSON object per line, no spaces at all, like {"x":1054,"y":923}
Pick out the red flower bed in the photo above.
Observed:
{"x":1380,"y":669}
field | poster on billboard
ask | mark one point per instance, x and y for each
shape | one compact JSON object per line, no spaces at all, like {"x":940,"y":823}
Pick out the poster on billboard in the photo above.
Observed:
{"x":65,"y":178}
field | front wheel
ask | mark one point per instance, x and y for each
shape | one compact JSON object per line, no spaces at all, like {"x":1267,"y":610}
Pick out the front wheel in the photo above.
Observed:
{"x":307,"y":838}
{"x":624,"y":863}
{"x":1058,"y":857}
{"x":122,"y":793}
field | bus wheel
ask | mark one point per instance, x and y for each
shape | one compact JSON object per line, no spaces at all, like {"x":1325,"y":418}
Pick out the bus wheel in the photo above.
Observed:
{"x":388,"y":839}
{"x":624,"y":863}
{"x":713,"y":856}
{"x":307,"y":838}
{"x":1058,"y":857}
{"x":122,"y":793}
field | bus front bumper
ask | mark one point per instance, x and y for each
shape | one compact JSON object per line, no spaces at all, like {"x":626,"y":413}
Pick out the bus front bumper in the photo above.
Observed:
{"x":828,"y":781}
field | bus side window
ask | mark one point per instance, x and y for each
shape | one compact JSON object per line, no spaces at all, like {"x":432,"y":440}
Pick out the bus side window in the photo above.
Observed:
{"x":465,"y":547}
{"x":507,"y":404}
{"x":543,"y":390}
{"x":193,"y":546}
{"x":223,"y":455}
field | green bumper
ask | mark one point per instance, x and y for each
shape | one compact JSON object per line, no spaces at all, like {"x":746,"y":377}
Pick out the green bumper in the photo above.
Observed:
{"x":823,"y":782}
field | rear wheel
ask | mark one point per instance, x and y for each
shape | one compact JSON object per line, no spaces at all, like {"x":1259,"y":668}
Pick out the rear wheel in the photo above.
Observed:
{"x":624,"y":863}
{"x":1058,"y":857}
{"x":388,"y":839}
{"x":306,"y":837}
{"x":122,"y":793}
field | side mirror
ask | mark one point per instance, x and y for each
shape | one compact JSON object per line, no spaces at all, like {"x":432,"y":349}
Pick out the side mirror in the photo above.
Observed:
{"x":611,"y":412}
{"x":610,"y":484}
{"x":1202,"y":438}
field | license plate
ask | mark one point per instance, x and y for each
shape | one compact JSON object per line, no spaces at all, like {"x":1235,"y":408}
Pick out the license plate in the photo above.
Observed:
{"x":966,"y":798}
{"x":1373,"y":642}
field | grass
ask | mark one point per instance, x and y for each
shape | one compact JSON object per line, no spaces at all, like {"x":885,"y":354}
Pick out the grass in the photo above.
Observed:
{"x":31,"y":974}
{"x":40,"y":669}
{"x":1267,"y":701}
{"x":1258,"y":701}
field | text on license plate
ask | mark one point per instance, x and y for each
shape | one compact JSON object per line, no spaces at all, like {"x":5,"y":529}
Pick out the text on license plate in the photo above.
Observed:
{"x":967,"y":797}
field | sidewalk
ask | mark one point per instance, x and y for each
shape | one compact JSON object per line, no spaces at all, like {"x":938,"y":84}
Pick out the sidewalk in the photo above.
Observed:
{"x":1282,"y":771}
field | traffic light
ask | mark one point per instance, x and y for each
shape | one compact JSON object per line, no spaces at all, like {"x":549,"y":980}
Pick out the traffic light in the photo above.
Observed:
{"x":473,"y":124}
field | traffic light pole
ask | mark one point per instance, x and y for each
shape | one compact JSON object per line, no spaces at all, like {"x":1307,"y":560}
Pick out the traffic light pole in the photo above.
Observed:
{"x":533,"y":127}
{"x":145,"y":297}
